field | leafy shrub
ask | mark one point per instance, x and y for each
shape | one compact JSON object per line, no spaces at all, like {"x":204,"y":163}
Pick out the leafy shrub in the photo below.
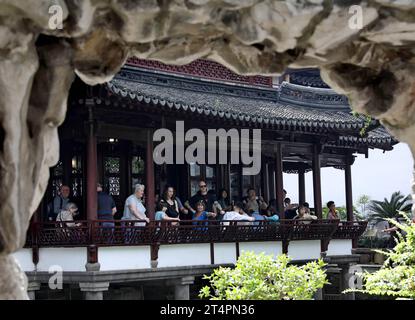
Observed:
{"x":261,"y":277}
{"x":396,"y":277}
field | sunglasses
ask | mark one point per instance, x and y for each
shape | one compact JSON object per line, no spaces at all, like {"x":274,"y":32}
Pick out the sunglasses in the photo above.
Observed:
{"x":204,"y":186}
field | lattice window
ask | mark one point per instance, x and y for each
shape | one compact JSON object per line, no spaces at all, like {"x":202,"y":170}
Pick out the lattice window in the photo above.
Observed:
{"x":77,"y":187}
{"x":114,"y":186}
{"x":58,"y":169}
{"x":112,"y":165}
{"x":112,"y":175}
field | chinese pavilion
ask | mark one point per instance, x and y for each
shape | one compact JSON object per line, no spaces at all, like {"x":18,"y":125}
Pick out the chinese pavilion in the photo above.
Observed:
{"x":305,"y":126}
{"x":107,"y":137}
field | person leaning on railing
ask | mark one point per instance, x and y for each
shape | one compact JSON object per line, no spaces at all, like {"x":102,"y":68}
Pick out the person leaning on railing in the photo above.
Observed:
{"x":161,"y":214}
{"x":134,"y":208}
{"x":201,"y":213}
{"x":67,"y":214}
{"x":237,"y":214}
{"x":106,"y":208}
{"x":169,"y":200}
{"x":304,"y":215}
{"x":290,"y":209}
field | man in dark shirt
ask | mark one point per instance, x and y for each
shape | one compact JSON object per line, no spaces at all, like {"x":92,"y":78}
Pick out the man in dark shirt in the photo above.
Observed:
{"x":59,"y":202}
{"x":202,"y":194}
{"x":106,"y":207}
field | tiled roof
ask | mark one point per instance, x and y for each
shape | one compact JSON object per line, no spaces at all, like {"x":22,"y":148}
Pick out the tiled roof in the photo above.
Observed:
{"x":290,"y":107}
{"x":378,"y":138}
{"x":226,"y":101}
{"x":202,"y":68}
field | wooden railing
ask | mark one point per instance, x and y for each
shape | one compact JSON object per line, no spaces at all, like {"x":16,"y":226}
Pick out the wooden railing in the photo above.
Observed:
{"x":133,"y":233}
{"x":350,"y":229}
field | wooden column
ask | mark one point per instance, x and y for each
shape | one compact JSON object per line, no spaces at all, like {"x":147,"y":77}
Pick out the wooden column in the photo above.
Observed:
{"x":91,"y":170}
{"x":317,"y":183}
{"x":265,"y":181}
{"x":279,"y":185}
{"x":349,"y":195}
{"x":271,"y":181}
{"x":150,"y":185}
{"x":301,"y":185}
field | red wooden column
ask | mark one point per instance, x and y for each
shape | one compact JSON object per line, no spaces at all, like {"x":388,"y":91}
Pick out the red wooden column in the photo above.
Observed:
{"x":317,"y":183}
{"x":150,"y":185}
{"x":265,"y":181}
{"x":91,"y":170}
{"x":279,"y":185}
{"x":271,"y":181}
{"x":301,"y":185}
{"x":349,"y":195}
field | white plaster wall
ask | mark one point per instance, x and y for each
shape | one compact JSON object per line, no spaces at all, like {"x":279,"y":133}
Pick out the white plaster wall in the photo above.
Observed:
{"x":339,"y":247}
{"x":225,"y":253}
{"x":177,"y":255}
{"x":24,"y":258}
{"x":124,"y":258}
{"x":268,"y":247}
{"x":69,"y":259}
{"x":304,"y":249}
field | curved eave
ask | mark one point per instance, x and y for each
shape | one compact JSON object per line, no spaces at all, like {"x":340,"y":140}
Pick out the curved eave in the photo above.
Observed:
{"x":341,"y":127}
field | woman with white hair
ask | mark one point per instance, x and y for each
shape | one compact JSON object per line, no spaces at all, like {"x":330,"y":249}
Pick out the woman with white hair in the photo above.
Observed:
{"x":68,"y":213}
{"x":134,"y":208}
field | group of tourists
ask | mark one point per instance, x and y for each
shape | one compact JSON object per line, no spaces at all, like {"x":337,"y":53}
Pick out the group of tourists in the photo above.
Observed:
{"x":204,"y":205}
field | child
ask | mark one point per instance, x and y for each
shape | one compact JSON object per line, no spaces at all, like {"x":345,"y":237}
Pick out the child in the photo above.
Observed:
{"x":162,"y":216}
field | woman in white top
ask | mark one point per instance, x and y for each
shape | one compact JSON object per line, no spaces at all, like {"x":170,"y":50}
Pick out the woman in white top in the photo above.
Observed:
{"x":134,"y":208}
{"x":67,"y":214}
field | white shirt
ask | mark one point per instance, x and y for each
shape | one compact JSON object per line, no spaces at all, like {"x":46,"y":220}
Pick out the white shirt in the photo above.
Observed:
{"x":65,"y":215}
{"x":133,"y":200}
{"x":235,"y":216}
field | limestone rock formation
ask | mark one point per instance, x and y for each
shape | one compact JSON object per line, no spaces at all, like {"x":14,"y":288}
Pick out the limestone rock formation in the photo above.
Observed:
{"x":365,"y":50}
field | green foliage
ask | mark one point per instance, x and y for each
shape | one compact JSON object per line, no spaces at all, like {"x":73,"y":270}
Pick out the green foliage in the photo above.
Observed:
{"x":363,"y":201}
{"x":396,"y":278}
{"x":389,"y":209}
{"x":368,"y":122}
{"x":261,"y":277}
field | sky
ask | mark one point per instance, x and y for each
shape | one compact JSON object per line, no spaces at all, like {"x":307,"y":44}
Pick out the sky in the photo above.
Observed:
{"x":378,"y":177}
